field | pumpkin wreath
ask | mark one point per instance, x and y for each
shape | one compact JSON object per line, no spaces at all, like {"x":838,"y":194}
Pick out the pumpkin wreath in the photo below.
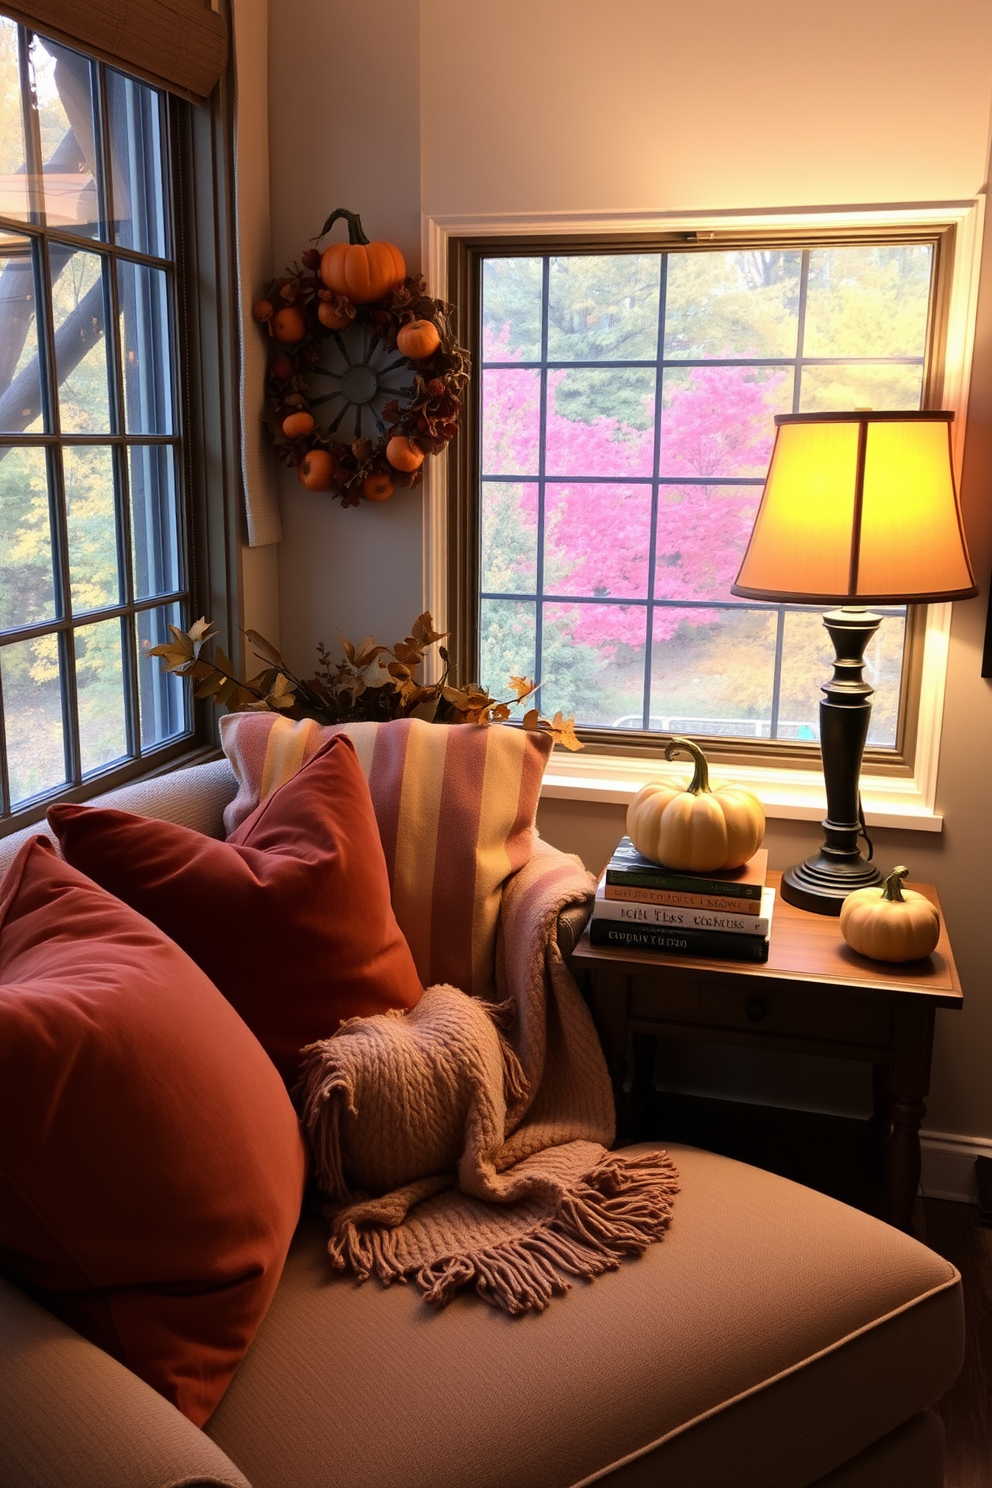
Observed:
{"x":395,"y":372}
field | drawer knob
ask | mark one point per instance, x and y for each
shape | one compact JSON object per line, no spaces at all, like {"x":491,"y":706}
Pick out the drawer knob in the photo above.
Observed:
{"x":756,"y":1009}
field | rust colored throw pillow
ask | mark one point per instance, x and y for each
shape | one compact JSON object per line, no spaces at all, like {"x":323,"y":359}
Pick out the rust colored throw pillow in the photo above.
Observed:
{"x":455,"y":806}
{"x":290,"y":917}
{"x":151,"y":1164}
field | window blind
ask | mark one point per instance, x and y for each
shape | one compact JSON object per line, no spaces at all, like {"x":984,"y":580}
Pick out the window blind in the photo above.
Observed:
{"x":180,"y":45}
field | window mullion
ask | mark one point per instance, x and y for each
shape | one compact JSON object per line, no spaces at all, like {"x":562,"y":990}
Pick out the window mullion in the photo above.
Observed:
{"x":542,"y":472}
{"x":659,"y":389}
{"x":4,"y":775}
{"x":801,"y":333}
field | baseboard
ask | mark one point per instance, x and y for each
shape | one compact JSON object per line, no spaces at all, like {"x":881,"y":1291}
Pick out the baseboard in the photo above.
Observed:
{"x":949,"y":1165}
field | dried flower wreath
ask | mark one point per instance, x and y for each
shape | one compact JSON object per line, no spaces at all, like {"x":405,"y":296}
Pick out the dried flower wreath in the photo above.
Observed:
{"x":393,"y":370}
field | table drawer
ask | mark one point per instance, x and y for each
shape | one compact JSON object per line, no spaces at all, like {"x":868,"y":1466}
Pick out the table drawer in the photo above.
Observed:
{"x":805,"y":1014}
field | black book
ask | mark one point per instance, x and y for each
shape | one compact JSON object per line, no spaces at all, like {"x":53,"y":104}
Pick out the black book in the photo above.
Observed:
{"x":720,"y":945}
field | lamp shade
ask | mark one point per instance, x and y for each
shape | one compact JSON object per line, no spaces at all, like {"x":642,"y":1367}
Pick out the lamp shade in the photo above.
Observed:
{"x":859,"y":508}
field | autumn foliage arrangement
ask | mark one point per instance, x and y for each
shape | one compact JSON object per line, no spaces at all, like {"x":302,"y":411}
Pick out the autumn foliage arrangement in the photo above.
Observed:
{"x":365,"y":284}
{"x":371,"y":683}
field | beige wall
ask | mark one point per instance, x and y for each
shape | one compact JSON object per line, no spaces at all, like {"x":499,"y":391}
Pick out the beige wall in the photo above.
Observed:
{"x":458,"y":107}
{"x":344,"y":89}
{"x":563,"y":105}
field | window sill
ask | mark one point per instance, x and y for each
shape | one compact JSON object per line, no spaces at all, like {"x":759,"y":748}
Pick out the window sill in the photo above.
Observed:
{"x":787,"y":794}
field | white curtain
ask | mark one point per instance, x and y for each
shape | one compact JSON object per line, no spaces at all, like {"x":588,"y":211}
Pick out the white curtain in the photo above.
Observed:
{"x":250,"y":36}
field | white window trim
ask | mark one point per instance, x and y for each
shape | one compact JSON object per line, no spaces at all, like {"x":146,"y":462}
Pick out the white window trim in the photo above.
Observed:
{"x":785,"y":792}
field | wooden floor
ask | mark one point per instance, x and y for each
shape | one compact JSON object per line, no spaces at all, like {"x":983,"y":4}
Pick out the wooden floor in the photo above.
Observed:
{"x":966,"y":1411}
{"x":841,"y":1158}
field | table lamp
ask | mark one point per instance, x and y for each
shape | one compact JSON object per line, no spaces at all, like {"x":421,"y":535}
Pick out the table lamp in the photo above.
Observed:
{"x":858,"y":508}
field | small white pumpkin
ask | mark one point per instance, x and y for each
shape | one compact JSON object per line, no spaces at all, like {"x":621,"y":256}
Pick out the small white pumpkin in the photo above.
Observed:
{"x":890,"y":923}
{"x":695,"y":829}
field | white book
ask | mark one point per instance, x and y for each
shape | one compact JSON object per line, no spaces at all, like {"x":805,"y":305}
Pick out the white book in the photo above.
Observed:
{"x":631,"y":912}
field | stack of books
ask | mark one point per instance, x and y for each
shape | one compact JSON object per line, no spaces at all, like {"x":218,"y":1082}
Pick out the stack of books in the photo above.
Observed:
{"x":646,"y":906}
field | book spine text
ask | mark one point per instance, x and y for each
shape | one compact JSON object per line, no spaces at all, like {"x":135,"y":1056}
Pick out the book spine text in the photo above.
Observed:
{"x":719,"y":945}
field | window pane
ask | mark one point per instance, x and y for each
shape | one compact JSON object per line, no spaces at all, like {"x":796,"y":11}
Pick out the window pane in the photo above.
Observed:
{"x":80,"y":343}
{"x":592,"y":661}
{"x":598,"y":539}
{"x":511,"y":309}
{"x":888,"y":385}
{"x":100,"y":695}
{"x":600,"y":422}
{"x":604,"y":308}
{"x":732,"y":304}
{"x":154,"y":520}
{"x":65,"y":94}
{"x":14,"y":181}
{"x":702,"y":534}
{"x":162,"y":695}
{"x":136,"y":145}
{"x":91,"y":522}
{"x":145,"y":343}
{"x":511,"y":413}
{"x":718,"y":421}
{"x":20,"y":383}
{"x":868,"y":301}
{"x":32,"y":712}
{"x":807,"y":662}
{"x":509,"y":537}
{"x":772,"y":331}
{"x":506,"y":643}
{"x":713,"y":671}
{"x":27,"y":590}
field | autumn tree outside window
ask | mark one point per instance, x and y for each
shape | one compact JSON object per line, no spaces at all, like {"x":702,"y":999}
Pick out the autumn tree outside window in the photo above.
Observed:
{"x":95,"y":425}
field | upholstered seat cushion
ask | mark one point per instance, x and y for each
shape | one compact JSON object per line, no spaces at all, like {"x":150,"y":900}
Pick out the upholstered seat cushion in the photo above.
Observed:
{"x":773,"y":1336}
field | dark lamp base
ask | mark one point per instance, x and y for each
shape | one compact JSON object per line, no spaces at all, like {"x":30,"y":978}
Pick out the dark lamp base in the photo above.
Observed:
{"x":821,"y":884}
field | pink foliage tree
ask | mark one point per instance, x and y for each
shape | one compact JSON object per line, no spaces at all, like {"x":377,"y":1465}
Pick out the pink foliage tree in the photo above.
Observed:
{"x":716,"y":422}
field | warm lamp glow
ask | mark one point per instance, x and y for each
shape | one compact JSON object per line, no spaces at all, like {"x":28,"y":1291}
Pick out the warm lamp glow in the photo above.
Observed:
{"x":858,"y":508}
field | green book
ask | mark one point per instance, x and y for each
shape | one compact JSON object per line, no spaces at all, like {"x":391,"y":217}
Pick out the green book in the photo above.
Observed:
{"x":629,"y":867}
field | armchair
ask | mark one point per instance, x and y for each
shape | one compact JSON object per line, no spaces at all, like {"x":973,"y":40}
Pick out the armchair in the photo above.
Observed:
{"x":773,"y":1339}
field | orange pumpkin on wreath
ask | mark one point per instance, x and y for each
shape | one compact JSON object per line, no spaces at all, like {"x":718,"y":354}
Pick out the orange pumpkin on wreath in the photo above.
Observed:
{"x":369,"y":351}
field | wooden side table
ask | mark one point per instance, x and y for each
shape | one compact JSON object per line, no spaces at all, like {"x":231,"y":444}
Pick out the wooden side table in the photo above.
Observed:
{"x":813,"y":996}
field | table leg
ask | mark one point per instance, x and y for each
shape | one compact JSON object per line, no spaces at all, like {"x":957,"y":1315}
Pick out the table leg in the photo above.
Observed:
{"x":910,"y":1082}
{"x":609,"y":1011}
{"x":881,"y":1118}
{"x":645,"y":1052}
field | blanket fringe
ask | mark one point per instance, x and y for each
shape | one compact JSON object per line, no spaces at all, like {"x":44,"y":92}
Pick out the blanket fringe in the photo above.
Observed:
{"x":616,"y":1210}
{"x":323,"y":1105}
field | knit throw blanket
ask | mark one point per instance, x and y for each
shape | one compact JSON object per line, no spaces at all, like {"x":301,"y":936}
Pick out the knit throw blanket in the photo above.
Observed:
{"x":465,"y":1142}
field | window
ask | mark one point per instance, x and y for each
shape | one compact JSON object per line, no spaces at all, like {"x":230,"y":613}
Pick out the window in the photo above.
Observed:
{"x":93,"y":531}
{"x":625,"y":424}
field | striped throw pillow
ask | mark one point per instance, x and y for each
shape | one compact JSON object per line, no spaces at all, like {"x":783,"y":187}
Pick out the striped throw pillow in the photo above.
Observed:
{"x":455,"y":806}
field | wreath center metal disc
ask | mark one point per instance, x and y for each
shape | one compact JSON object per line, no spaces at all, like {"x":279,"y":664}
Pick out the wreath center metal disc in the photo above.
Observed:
{"x":357,"y":376}
{"x":360,"y":384}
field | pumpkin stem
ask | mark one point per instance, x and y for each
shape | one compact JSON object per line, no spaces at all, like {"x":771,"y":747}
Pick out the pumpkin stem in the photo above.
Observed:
{"x":892,"y":886}
{"x":356,"y":233}
{"x":700,"y":775}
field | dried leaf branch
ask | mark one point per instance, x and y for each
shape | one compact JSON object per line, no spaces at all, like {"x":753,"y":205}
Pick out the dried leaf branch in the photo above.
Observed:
{"x":370,"y":683}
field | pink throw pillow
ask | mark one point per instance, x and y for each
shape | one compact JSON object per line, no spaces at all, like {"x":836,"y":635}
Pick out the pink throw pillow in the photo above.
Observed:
{"x":455,"y":806}
{"x":290,"y":918}
{"x":151,"y":1165}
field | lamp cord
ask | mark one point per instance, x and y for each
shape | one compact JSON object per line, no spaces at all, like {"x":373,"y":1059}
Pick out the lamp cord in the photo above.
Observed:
{"x":864,"y":829}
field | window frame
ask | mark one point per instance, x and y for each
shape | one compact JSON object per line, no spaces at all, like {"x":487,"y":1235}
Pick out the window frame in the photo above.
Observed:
{"x":898,"y":786}
{"x":204,"y":377}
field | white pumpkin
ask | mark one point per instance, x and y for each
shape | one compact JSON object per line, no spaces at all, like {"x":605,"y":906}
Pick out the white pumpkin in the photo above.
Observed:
{"x":697,"y":829}
{"x":890,"y":923}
